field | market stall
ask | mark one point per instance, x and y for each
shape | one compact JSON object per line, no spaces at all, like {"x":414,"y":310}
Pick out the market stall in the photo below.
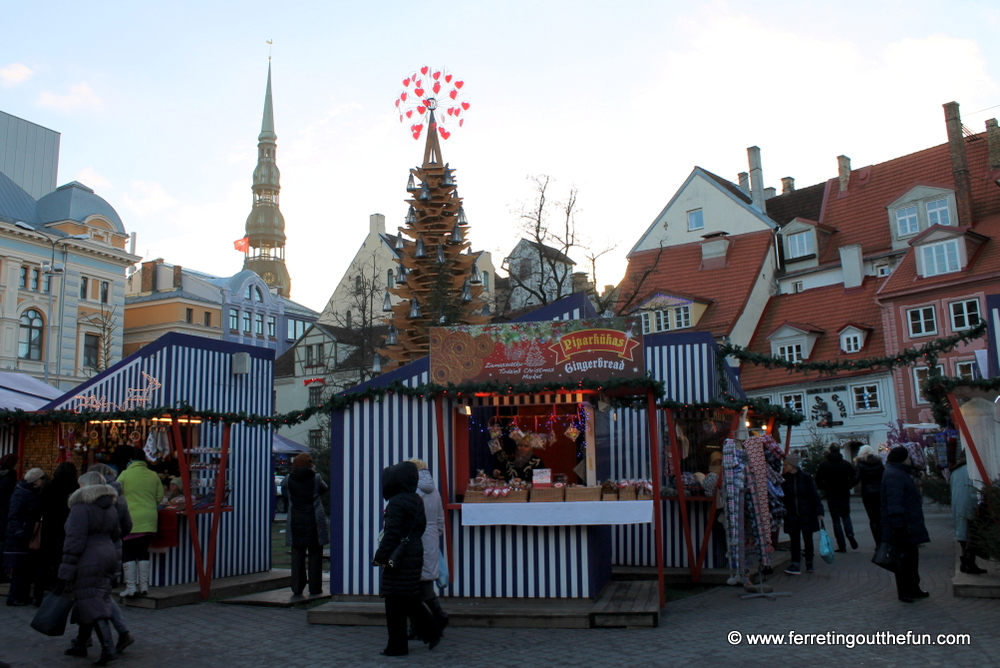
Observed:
{"x":219,"y":526}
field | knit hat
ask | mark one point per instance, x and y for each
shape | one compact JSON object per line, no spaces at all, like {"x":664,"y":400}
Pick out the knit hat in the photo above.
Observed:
{"x":33,"y":475}
{"x":792,"y":459}
{"x":898,"y":455}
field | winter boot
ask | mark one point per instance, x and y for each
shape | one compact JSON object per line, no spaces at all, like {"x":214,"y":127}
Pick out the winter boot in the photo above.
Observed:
{"x":440,"y":616}
{"x":130,"y":573}
{"x":108,"y":653}
{"x":78,"y":646}
{"x":143,"y":577}
{"x":968,"y":561}
{"x":124,"y":640}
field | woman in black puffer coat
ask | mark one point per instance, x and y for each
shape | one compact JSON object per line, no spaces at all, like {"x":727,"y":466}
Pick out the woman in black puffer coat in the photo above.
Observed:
{"x":870,"y":468}
{"x":400,"y":583}
{"x":53,"y":504}
{"x":307,"y":530}
{"x":90,"y":558}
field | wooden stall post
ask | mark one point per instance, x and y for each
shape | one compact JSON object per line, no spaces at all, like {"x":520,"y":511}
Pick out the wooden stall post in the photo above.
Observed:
{"x":443,"y":477}
{"x":220,"y":496}
{"x":967,"y":435}
{"x":182,"y":461}
{"x":675,"y":456}
{"x":654,"y":456}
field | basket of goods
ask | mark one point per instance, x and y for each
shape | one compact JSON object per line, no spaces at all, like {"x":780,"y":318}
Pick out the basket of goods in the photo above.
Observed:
{"x":547,"y":494}
{"x":626,"y":490}
{"x":478,"y":489}
{"x":609,"y":491}
{"x":582,"y":493}
{"x":644,"y":490}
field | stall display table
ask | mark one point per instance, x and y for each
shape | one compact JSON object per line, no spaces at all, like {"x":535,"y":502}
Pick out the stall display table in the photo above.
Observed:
{"x":557,"y":514}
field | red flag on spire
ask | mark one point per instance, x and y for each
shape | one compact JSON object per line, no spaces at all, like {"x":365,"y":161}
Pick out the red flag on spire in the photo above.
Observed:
{"x":242,"y":245}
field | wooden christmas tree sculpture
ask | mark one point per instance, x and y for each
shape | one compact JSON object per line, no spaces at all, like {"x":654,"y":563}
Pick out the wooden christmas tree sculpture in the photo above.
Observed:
{"x":438,"y":281}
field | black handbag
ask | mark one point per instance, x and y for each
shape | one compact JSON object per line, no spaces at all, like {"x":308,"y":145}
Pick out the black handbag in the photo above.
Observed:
{"x":397,"y":553}
{"x":53,"y":613}
{"x":887,"y":556}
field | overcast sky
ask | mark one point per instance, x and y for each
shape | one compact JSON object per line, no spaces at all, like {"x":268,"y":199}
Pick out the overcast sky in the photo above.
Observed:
{"x":159,"y":106}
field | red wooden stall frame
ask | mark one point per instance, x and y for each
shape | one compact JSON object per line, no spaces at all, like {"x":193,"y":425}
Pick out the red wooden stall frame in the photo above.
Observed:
{"x":967,"y":436}
{"x":204,"y":563}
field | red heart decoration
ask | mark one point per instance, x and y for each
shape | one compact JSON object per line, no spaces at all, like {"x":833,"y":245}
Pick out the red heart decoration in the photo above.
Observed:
{"x":402,"y":96}
{"x":421,"y":110}
{"x":424,"y":69}
{"x":436,"y":87}
{"x":418,"y":82}
{"x":453,"y":94}
{"x":457,"y":111}
{"x":461,"y":123}
{"x":406,"y":82}
{"x":409,"y":113}
{"x":451,"y":111}
{"x":436,"y":75}
{"x":416,"y":135}
{"x":465,"y":105}
{"x":418,"y":91}
{"x":397,"y":103}
{"x":459,"y":84}
{"x":447,"y":78}
{"x":444,"y":133}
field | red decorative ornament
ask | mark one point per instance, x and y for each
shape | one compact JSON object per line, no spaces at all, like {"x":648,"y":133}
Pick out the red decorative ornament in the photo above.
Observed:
{"x":415,"y":103}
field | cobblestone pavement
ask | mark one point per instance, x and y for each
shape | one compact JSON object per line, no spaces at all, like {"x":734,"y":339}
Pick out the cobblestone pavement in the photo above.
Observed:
{"x":851,"y":596}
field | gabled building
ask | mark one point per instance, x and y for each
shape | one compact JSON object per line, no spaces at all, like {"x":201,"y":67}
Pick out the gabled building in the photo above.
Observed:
{"x":62,"y":264}
{"x":536,"y":275}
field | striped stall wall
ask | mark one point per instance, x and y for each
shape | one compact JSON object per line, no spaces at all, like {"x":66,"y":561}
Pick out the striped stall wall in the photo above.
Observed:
{"x":686,"y":363}
{"x":197,"y":371}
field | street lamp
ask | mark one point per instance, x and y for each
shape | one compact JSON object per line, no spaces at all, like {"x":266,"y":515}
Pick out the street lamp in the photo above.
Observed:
{"x":49,"y":272}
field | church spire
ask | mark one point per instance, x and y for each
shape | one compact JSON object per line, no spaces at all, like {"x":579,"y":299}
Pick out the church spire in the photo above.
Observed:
{"x":265,"y":227}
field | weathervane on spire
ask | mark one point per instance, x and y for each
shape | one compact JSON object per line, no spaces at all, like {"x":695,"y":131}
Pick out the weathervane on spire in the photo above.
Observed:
{"x":270,"y":45}
{"x":425,"y":92}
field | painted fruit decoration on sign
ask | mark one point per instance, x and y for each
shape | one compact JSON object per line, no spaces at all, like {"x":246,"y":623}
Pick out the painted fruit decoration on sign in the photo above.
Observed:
{"x":537,"y":352}
{"x":429,"y":90}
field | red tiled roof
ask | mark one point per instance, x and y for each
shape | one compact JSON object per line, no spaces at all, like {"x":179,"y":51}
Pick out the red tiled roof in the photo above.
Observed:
{"x":983,"y":262}
{"x":802,"y":203}
{"x":678,"y":271}
{"x":860,"y":213}
{"x":830,"y":309}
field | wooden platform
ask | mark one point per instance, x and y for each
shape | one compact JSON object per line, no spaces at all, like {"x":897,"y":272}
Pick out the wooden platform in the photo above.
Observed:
{"x":185,"y":594}
{"x":280,"y":598}
{"x":621,"y":604}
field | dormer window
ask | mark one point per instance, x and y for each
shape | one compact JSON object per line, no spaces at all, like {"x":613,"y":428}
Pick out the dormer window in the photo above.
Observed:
{"x":850,"y":343}
{"x":791,"y":353}
{"x":938,"y":213}
{"x":800,"y":244}
{"x":906,"y":221}
{"x":940,"y":258}
{"x":793,"y":342}
{"x":664,"y":313}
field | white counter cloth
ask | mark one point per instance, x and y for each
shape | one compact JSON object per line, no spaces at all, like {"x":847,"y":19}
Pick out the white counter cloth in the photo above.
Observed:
{"x":557,"y":513}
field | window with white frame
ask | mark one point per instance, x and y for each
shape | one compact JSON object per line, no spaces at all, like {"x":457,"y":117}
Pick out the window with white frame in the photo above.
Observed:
{"x":234,"y":319}
{"x":923,"y":321}
{"x":906,"y":221}
{"x":850,"y":342}
{"x":246,"y":322}
{"x":964,"y":314}
{"x":682,"y":317}
{"x":938,"y":213}
{"x":866,"y":399}
{"x":940,"y":258}
{"x":29,"y":342}
{"x":793,"y":402}
{"x":920,"y":374}
{"x":791,"y":353}
{"x":882,"y":270}
{"x":315,"y":438}
{"x":271,"y":326}
{"x":967,"y":370}
{"x":696,"y":220}
{"x":797,"y":286}
{"x":800,"y":244}
{"x":258,"y":321}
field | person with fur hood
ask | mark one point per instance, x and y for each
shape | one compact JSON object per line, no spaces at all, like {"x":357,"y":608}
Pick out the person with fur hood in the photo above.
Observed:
{"x":434,"y":512}
{"x":404,"y":525}
{"x":90,"y":558}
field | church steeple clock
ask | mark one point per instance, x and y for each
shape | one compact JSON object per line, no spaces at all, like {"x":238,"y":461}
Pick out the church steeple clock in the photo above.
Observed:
{"x":265,"y":229}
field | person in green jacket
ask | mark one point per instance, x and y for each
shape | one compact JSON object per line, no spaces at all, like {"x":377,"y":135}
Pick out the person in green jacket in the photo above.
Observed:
{"x":143,"y":491}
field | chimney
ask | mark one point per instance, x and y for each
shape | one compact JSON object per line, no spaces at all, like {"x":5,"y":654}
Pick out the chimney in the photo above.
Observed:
{"x":149,"y":275}
{"x":843,"y":172}
{"x":959,"y":163}
{"x":744,"y":182}
{"x":993,"y":142}
{"x":787,"y":185}
{"x":852,"y":265}
{"x":756,"y":179}
{"x":580,"y":282}
{"x":376,"y":224}
{"x":714,"y":250}
{"x":769,"y":193}
{"x":178,"y":276}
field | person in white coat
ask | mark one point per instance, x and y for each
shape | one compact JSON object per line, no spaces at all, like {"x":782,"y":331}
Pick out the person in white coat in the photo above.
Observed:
{"x":434,"y":511}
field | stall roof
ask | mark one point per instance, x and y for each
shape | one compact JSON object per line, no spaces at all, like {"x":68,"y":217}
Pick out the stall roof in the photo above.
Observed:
{"x":287,"y":445}
{"x":19,"y":390}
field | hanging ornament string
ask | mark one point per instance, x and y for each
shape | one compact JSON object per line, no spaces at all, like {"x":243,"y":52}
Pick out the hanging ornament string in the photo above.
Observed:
{"x":426,"y":91}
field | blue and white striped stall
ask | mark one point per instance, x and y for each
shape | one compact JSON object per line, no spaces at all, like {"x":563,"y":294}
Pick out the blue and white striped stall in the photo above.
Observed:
{"x":199,"y":372}
{"x":506,"y":560}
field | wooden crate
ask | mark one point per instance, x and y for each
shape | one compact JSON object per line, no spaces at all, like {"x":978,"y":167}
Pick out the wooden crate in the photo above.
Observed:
{"x":583,"y":493}
{"x":547,"y":494}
